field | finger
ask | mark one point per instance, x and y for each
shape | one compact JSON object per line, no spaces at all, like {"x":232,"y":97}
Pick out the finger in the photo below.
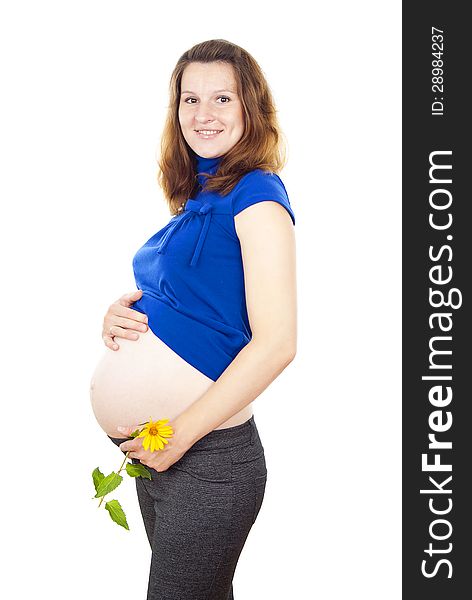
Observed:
{"x":133,"y":294}
{"x":109,"y":342}
{"x":120,"y":310}
{"x":123,"y":333}
{"x":127,"y":446}
{"x":130,"y":446}
{"x":134,"y":455}
{"x":134,"y":315}
{"x":130,"y":323}
{"x":131,"y":297}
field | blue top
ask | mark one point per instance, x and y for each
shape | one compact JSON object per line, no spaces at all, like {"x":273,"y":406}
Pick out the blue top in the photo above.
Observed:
{"x":191,"y":272}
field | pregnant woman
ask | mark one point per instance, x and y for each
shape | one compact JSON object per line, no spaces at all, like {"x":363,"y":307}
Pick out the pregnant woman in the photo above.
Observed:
{"x":216,"y":308}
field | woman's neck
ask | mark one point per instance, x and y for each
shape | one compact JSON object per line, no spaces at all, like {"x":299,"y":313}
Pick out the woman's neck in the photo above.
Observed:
{"x":207,"y":165}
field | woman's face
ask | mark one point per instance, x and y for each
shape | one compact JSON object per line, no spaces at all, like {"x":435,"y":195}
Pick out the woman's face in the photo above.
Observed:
{"x":209,"y":103}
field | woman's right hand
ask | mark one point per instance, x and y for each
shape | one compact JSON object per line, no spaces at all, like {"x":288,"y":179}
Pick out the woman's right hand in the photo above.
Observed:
{"x":122,"y":321}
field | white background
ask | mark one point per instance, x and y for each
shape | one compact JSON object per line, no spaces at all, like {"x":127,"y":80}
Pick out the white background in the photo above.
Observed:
{"x":83,"y":103}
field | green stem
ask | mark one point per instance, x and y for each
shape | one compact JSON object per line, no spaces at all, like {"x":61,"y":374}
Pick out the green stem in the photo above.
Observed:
{"x":124,"y":460}
{"x":119,"y":471}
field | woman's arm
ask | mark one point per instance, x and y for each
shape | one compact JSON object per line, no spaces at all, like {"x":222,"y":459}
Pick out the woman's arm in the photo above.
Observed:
{"x":267,"y":239}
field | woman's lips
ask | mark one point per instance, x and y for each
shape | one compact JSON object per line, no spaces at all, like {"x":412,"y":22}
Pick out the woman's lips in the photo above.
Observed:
{"x":208,"y":136}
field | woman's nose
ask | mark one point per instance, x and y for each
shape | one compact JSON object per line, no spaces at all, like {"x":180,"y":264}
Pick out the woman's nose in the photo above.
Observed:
{"x":204,"y":114}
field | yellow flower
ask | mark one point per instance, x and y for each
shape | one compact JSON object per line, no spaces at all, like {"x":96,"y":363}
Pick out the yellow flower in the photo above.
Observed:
{"x":154,"y":434}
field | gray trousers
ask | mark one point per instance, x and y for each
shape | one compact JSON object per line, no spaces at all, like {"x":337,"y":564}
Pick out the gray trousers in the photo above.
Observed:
{"x":198,"y":513}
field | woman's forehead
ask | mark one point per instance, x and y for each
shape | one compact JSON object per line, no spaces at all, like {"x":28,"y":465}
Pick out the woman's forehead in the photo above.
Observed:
{"x":211,"y":77}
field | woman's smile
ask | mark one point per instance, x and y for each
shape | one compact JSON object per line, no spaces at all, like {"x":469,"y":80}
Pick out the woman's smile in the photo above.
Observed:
{"x":208,"y":134}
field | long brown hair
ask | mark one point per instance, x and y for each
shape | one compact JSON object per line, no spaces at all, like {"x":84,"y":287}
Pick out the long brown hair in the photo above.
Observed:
{"x":260,"y":147}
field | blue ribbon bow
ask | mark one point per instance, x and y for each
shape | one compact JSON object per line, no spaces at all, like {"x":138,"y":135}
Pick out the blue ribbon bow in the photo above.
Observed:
{"x":193,"y":209}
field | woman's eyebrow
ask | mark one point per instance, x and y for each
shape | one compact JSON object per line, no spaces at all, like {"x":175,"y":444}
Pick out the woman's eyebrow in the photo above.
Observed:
{"x":215,"y":92}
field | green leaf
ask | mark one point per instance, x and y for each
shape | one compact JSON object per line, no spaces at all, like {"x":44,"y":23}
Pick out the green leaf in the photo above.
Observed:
{"x":117,"y":513}
{"x":137,"y":470}
{"x":108,"y":484}
{"x":136,"y":432}
{"x":97,"y":476}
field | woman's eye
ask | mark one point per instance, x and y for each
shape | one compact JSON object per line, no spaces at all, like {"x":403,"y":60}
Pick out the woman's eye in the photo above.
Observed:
{"x":225,"y":98}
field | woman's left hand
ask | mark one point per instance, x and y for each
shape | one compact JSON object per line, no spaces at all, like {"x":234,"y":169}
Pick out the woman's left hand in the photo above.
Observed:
{"x":159,"y":460}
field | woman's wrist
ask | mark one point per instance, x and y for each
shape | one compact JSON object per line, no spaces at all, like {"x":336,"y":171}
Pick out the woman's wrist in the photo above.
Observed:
{"x":183,"y":431}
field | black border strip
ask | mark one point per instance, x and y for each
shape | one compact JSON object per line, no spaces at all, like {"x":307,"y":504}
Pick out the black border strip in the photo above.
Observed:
{"x":437,"y":251}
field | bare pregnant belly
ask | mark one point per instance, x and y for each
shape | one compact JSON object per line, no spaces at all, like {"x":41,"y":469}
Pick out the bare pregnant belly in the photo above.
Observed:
{"x":146,"y":379}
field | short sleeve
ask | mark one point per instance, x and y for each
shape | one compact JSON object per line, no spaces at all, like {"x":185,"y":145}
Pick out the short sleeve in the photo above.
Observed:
{"x":257,"y":186}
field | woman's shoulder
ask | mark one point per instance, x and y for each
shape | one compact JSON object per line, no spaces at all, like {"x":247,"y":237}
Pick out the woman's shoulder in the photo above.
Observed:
{"x":260,"y":177}
{"x":259,"y":185}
